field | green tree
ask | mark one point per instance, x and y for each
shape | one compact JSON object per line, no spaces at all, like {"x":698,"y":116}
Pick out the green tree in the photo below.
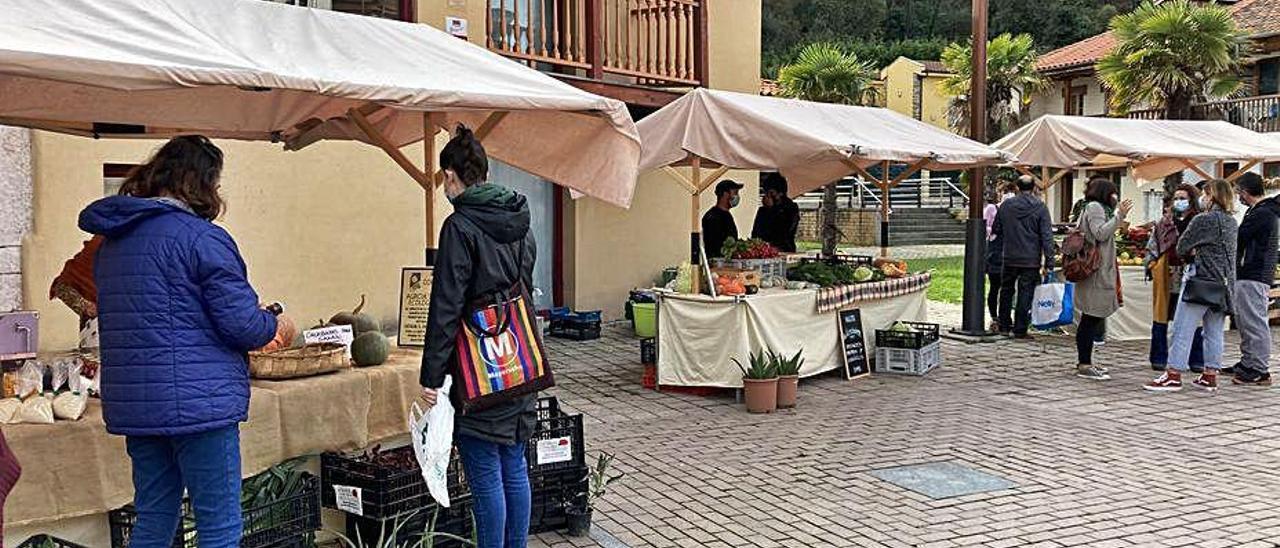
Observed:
{"x":1012,"y":80}
{"x":825,"y":73}
{"x":1172,"y":55}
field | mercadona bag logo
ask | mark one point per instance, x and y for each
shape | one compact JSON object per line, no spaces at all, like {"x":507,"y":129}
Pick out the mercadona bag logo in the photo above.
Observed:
{"x":500,"y":354}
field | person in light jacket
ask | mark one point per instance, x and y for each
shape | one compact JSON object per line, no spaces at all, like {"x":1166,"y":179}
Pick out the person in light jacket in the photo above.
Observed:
{"x":1097,"y":296}
{"x":1209,"y":245}
{"x":176,"y":318}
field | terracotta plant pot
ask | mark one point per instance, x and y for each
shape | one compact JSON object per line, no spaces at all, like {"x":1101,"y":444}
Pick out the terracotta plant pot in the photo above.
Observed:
{"x":788,"y":386}
{"x":761,"y":395}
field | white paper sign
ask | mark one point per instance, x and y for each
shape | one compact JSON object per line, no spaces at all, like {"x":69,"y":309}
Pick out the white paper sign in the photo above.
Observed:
{"x":555,"y":450}
{"x":456,"y":26}
{"x":340,"y":334}
{"x":349,"y":499}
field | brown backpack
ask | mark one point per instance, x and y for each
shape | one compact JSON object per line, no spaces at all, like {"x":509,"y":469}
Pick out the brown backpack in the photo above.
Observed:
{"x":1079,"y":257}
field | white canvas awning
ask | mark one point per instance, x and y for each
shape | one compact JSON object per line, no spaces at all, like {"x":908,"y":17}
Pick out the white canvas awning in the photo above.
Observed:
{"x":1154,"y":148}
{"x":812,"y":144}
{"x":248,"y":69}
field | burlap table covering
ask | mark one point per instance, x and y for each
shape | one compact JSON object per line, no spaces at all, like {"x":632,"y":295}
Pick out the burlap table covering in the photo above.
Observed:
{"x":73,"y":469}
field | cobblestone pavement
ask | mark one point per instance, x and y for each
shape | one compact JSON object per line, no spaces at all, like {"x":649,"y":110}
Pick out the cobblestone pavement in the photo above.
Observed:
{"x":1095,"y":464}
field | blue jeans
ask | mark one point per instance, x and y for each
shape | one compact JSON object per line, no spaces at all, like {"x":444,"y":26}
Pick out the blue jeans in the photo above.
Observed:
{"x":208,"y":466}
{"x":1160,"y":339}
{"x":499,"y":481}
{"x":1185,"y":323}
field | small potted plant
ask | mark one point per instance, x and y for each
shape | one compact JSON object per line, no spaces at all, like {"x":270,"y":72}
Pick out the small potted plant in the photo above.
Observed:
{"x":598,"y":480}
{"x":788,"y":378}
{"x":759,"y":383}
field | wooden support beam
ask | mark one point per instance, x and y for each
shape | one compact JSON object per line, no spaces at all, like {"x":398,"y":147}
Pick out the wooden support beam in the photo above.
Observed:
{"x":489,"y":123}
{"x":1243,"y":169}
{"x":861,"y":172}
{"x":396,"y":155}
{"x":695,"y":224}
{"x":429,"y":166}
{"x":1193,"y":167}
{"x":1218,"y":169}
{"x":1025,"y":171}
{"x":718,"y":173}
{"x":911,"y":170}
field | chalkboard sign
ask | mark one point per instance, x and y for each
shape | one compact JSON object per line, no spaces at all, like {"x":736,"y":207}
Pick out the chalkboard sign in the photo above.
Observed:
{"x":853,"y":344}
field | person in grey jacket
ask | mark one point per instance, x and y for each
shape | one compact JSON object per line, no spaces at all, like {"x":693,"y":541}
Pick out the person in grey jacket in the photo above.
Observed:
{"x":1256,"y":270}
{"x":1026,"y":233}
{"x":1210,"y":243}
{"x":1096,"y":297}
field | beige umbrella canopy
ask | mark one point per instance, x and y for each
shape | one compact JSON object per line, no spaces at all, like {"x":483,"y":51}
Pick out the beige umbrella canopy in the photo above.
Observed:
{"x":1153,"y":148}
{"x":254,"y":70}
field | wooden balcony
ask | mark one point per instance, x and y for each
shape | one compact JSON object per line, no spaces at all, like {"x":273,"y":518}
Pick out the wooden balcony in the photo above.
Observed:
{"x":1259,"y":113}
{"x":649,"y":43}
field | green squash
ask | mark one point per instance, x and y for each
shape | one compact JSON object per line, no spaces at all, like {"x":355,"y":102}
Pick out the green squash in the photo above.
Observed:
{"x":370,"y":348}
{"x":359,"y":322}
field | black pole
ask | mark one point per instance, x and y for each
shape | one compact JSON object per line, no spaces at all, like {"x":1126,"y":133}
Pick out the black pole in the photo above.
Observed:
{"x":975,"y":242}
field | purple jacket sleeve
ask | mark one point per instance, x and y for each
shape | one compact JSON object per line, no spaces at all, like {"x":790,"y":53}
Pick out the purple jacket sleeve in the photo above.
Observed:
{"x":230,"y":301}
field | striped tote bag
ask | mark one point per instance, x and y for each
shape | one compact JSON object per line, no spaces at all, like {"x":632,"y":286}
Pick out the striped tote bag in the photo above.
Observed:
{"x":500,"y":354}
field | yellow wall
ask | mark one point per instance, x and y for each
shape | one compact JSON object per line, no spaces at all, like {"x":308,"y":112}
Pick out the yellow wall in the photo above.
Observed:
{"x":899,"y":89}
{"x":615,"y":250}
{"x":317,"y":227}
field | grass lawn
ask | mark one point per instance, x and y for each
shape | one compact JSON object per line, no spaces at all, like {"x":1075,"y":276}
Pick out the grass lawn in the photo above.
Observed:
{"x":948,"y":278}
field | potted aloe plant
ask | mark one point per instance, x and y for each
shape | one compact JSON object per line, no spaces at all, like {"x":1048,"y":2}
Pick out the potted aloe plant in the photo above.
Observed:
{"x":788,"y":377}
{"x":598,"y":480}
{"x":759,"y":383}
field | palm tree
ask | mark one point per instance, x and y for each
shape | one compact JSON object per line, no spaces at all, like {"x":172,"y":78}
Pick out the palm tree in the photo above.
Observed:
{"x":824,"y":73}
{"x":1172,"y":55}
{"x":1012,"y":80}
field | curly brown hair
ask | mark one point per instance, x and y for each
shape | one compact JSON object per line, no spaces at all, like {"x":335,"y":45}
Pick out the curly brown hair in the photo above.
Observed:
{"x":186,"y":168}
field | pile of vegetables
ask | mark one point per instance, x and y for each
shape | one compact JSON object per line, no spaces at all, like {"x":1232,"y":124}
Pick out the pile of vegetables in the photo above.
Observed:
{"x":829,"y":275}
{"x":730,"y":286}
{"x":1131,"y":245}
{"x":748,"y":249}
{"x":370,"y":346}
{"x":892,"y":268}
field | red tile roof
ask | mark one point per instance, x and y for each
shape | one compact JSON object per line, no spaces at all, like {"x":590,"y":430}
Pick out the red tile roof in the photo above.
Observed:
{"x":1258,"y":17}
{"x":935,"y":67}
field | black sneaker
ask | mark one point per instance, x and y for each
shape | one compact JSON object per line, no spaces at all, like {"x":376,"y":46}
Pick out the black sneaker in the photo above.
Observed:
{"x":1158,"y":367}
{"x":1250,"y":377}
{"x":1231,"y":370}
{"x":1024,"y":337}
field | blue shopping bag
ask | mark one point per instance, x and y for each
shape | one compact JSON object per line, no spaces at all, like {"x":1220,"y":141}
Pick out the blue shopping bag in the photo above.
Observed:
{"x":1053,"y":304}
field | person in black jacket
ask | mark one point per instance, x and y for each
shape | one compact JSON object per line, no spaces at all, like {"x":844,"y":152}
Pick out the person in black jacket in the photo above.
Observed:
{"x":485,"y":248}
{"x":718,"y":224}
{"x":778,"y":218}
{"x":1256,"y":258}
{"x":1026,"y":234}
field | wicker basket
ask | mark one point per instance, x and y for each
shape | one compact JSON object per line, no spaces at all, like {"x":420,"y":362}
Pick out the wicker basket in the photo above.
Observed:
{"x":292,"y":363}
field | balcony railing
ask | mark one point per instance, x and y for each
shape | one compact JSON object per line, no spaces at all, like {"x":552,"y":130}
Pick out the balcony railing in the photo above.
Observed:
{"x":652,"y":42}
{"x":1260,"y":113}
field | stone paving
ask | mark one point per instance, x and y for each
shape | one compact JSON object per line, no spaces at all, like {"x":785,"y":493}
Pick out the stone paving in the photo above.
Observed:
{"x":1093,"y":464}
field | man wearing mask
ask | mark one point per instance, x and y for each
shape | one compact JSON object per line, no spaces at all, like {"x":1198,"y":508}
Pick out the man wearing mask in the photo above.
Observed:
{"x":1023,"y":225}
{"x":778,"y":218}
{"x":718,"y":224}
{"x":1256,"y":256}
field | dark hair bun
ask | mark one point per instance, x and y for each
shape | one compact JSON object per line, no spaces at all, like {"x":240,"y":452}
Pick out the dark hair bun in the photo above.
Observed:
{"x":465,"y":156}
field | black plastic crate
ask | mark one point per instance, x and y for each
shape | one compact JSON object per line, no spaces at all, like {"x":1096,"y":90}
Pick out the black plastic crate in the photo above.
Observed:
{"x":554,"y":492}
{"x":548,"y":407}
{"x":456,"y":520}
{"x":649,"y":351}
{"x":556,"y":433}
{"x":577,"y":330}
{"x":386,"y":492}
{"x":288,"y":522}
{"x":46,"y":541}
{"x":922,"y":335}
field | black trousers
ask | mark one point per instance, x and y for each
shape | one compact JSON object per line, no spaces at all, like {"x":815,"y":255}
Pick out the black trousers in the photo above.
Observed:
{"x":1019,"y":281}
{"x":993,"y":295}
{"x":1090,"y":327}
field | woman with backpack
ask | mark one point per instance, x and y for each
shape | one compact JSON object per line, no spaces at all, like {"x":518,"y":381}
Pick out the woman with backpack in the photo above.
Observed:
{"x":1164,"y":268}
{"x":1208,"y":247}
{"x":1097,"y":295}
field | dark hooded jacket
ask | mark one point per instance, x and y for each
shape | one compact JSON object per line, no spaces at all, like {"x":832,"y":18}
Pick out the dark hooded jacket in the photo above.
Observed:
{"x":177,"y":317}
{"x":1259,"y":243}
{"x":485,"y":248}
{"x":1025,"y":231}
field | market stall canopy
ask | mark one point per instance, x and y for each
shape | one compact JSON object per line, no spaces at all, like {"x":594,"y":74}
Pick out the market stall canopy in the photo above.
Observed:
{"x":1155,"y":148}
{"x":255,"y":70}
{"x":812,"y":144}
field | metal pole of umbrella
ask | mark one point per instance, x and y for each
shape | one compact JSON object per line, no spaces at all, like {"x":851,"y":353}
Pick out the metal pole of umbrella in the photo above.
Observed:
{"x":975,"y":228}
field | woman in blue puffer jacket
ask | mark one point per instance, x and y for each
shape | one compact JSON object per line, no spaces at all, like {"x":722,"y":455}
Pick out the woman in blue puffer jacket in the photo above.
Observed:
{"x":176,"y":317}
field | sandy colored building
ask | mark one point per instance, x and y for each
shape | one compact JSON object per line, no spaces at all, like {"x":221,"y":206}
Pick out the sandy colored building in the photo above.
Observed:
{"x":322,"y":226}
{"x":914,"y":88}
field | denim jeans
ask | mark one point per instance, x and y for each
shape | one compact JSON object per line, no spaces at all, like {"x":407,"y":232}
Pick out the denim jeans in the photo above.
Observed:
{"x":207,"y":464}
{"x":1186,"y":323}
{"x":499,"y":479}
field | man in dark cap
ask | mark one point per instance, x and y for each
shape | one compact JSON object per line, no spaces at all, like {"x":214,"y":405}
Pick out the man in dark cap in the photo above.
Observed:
{"x":778,"y":217}
{"x":718,"y":224}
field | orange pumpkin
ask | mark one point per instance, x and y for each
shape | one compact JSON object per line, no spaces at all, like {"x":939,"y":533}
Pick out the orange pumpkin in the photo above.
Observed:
{"x":286,"y":331}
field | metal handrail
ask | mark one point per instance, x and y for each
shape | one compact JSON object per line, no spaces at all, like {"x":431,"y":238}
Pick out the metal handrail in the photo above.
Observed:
{"x":863,"y":191}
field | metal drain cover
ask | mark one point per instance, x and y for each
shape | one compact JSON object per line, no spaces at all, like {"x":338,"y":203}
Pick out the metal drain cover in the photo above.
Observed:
{"x":940,"y":480}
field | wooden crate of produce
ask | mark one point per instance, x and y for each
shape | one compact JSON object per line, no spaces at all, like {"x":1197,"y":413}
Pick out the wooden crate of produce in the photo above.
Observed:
{"x":747,"y":277}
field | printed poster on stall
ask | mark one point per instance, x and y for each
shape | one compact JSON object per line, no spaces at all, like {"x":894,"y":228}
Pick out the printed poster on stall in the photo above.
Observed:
{"x":415,"y":303}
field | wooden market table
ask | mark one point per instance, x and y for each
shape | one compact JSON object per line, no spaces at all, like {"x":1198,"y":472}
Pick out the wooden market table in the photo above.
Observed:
{"x":75,"y":469}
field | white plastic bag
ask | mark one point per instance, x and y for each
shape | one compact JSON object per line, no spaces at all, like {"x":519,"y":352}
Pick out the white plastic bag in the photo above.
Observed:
{"x":432,"y":434}
{"x":1053,"y":304}
{"x":69,"y":406}
{"x":36,"y":410}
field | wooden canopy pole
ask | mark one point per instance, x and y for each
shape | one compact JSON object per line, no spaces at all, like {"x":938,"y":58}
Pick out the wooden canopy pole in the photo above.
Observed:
{"x":429,"y":163}
{"x":695,"y":226}
{"x":883,"y":183}
{"x":1219,"y":169}
{"x":1243,"y":169}
{"x":1196,"y":168}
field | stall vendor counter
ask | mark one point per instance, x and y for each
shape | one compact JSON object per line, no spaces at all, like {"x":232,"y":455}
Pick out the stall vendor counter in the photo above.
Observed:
{"x":698,"y":335}
{"x":75,"y":469}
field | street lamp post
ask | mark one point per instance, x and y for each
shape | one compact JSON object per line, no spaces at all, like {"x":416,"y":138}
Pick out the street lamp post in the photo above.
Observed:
{"x":975,"y":229}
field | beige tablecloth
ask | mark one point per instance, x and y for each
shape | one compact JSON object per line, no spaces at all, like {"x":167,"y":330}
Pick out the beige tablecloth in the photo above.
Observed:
{"x":697,"y":335}
{"x":74,"y":469}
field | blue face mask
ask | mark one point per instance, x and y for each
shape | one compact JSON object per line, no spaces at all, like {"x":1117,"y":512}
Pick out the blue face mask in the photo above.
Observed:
{"x":733,"y":202}
{"x":1181,"y":205}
